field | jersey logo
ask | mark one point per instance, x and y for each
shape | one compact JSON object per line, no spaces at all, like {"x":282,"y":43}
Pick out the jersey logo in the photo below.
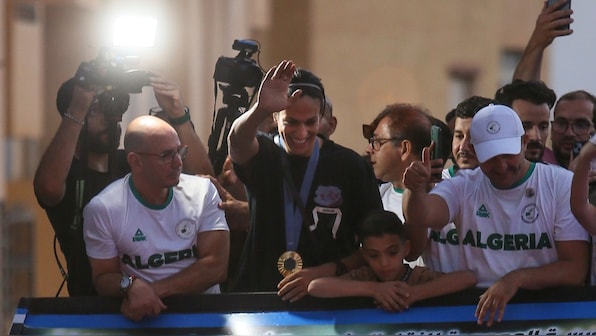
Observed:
{"x":185,"y":229}
{"x":328,"y":196}
{"x":482,"y":212}
{"x":530,"y":213}
{"x":139,"y":236}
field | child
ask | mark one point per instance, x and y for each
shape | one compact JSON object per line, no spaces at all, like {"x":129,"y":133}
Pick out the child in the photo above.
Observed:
{"x":582,"y":171}
{"x":394,"y":285}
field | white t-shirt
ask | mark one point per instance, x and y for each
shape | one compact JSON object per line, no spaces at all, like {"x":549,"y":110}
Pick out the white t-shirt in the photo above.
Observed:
{"x":392,"y":201}
{"x":152,"y":243}
{"x":442,"y":252}
{"x":503,"y":230}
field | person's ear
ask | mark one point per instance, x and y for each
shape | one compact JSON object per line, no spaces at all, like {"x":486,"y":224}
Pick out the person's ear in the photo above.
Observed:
{"x":406,"y":149}
{"x":332,"y":125}
{"x":133,"y":159}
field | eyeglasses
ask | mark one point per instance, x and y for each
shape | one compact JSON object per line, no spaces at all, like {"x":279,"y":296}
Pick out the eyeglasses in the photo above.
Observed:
{"x":376,"y":143}
{"x":168,"y":156}
{"x":578,"y":126}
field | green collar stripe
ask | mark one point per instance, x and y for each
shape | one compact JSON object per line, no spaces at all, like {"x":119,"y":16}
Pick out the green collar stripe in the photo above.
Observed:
{"x":147,"y":204}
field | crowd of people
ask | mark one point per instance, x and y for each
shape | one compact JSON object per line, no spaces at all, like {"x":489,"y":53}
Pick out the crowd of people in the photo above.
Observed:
{"x":295,"y":213}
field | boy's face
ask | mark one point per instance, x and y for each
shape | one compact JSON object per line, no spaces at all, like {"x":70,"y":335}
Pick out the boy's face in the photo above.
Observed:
{"x":385,"y":255}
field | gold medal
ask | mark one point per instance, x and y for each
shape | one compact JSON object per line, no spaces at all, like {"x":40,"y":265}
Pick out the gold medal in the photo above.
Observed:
{"x":289,"y":262}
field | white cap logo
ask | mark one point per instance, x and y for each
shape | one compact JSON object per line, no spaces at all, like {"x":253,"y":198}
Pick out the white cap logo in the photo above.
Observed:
{"x":493,"y":127}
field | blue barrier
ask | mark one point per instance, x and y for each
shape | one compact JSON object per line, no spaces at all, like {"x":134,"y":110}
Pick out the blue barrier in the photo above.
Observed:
{"x":557,"y":311}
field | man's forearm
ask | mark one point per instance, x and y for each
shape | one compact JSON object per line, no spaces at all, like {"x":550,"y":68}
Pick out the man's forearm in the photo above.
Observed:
{"x":50,"y":176}
{"x":530,"y":65}
{"x":242,"y":139}
{"x":108,"y":284}
{"x":197,"y":161}
{"x":559,"y":273}
{"x":200,"y":276}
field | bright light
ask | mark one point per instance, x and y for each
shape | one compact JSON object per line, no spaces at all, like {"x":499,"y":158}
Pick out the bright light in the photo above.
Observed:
{"x":134,"y":32}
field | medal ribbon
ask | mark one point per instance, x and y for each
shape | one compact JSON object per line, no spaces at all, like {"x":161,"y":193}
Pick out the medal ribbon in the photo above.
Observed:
{"x":293,"y":215}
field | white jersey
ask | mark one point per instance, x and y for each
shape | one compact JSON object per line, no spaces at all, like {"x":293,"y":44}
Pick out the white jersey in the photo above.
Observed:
{"x":152,"y":243}
{"x":503,"y":230}
{"x":442,"y":251}
{"x":392,"y":201}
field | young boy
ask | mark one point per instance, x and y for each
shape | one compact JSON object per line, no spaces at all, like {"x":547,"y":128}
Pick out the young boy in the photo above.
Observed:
{"x":394,"y":285}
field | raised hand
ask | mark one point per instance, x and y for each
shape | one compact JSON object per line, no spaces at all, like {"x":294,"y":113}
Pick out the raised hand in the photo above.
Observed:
{"x":273,"y":93}
{"x":167,"y":94}
{"x":418,"y":174}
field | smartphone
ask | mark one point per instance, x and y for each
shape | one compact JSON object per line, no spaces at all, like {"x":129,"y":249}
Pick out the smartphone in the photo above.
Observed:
{"x":567,"y":5}
{"x":435,"y":136}
{"x":577,"y":147}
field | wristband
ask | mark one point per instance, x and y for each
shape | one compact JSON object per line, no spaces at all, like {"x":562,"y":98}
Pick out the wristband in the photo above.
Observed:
{"x":181,"y":120}
{"x":71,"y":117}
{"x":340,"y":268}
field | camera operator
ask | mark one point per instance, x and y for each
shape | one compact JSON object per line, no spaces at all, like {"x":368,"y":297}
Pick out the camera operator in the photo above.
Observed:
{"x":82,"y":158}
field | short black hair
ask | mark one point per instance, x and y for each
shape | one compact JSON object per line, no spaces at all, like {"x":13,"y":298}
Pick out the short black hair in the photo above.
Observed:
{"x":450,"y":116}
{"x":468,"y":108}
{"x":379,"y":222}
{"x":310,"y":85}
{"x":580,"y":95}
{"x":406,"y":121}
{"x":535,"y":92}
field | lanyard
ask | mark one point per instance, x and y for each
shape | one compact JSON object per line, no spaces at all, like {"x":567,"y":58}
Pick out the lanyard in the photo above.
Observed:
{"x":292,"y":211}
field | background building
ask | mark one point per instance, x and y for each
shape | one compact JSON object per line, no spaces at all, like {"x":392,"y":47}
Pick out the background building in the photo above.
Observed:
{"x":368,"y":53}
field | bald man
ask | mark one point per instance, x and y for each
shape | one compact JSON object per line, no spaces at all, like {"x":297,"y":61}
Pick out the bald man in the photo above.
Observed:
{"x":156,"y":232}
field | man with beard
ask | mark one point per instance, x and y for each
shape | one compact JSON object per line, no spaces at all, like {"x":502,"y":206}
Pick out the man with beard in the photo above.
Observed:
{"x":82,"y":158}
{"x":306,"y":193}
{"x":573,"y":124}
{"x":442,"y":252}
{"x":532,"y":100}
{"x":513,"y":216}
{"x":155,"y":232}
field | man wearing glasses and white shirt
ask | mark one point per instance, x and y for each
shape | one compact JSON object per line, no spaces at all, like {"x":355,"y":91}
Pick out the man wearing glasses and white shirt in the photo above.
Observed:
{"x":155,"y":232}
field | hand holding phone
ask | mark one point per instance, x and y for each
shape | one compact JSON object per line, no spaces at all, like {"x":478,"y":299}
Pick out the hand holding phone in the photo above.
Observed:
{"x":437,"y":153}
{"x":565,"y":6}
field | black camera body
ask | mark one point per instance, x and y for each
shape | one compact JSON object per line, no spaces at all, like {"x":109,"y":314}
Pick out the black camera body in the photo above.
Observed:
{"x":242,"y":70}
{"x":234,"y":75}
{"x":115,"y":82}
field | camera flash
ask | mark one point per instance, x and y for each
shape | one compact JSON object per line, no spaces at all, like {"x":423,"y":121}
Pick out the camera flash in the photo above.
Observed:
{"x":134,"y":32}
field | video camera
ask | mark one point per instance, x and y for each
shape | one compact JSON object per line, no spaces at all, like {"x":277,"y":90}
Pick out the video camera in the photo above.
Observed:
{"x":234,"y":75}
{"x":242,"y":70}
{"x":115,"y":82}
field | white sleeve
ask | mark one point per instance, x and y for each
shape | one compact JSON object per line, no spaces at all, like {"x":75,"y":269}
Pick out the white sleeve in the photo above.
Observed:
{"x":99,"y":241}
{"x":212,"y":218}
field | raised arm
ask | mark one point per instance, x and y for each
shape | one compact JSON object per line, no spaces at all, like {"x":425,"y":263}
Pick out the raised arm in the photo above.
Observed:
{"x":581,"y":208}
{"x":544,"y":33}
{"x":49,"y":183}
{"x":167,"y":94}
{"x":420,"y":208}
{"x":272,"y":97}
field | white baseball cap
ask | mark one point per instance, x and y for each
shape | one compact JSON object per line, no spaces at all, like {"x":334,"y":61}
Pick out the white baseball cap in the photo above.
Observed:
{"x":496,"y":130}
